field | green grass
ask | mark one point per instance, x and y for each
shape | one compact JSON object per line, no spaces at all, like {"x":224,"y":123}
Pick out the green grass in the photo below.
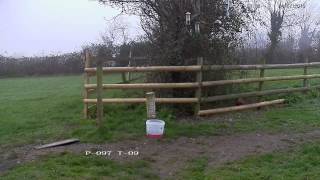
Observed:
{"x":42,"y":109}
{"x":301,"y":163}
{"x":67,"y":166}
{"x":36,"y":110}
{"x":196,"y":169}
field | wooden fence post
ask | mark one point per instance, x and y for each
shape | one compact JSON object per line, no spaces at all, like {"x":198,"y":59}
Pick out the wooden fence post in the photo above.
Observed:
{"x":261,"y":82}
{"x":124,"y":79}
{"x":260,"y":87}
{"x":86,"y":81}
{"x":99,"y":93}
{"x":129,"y":64}
{"x":151,"y":105}
{"x":198,"y":93}
{"x":124,"y":76}
{"x":305,"y":72}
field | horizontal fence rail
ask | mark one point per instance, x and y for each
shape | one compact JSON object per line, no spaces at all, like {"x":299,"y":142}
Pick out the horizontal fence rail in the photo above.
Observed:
{"x":146,"y":69}
{"x":198,"y":85}
{"x":255,"y":80}
{"x":196,"y":68}
{"x":145,"y":86}
{"x":144,"y":100}
{"x":239,"y":108}
{"x":258,"y":67}
{"x":257,"y":93}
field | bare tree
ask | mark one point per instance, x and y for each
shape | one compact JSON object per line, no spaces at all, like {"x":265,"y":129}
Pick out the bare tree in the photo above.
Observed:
{"x":116,"y":32}
{"x":317,"y":45}
{"x":309,"y":27}
{"x":164,"y":23}
{"x":275,"y":15}
{"x":174,"y":41}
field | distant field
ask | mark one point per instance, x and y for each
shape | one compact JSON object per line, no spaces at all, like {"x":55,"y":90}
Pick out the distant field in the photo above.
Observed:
{"x":36,"y":110}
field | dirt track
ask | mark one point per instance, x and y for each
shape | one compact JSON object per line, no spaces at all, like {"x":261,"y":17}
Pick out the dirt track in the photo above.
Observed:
{"x":169,"y":156}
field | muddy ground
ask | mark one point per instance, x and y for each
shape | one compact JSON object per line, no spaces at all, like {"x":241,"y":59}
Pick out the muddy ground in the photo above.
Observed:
{"x":169,"y":156}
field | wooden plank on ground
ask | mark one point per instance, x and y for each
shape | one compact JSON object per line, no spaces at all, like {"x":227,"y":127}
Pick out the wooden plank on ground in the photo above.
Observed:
{"x":59,"y":143}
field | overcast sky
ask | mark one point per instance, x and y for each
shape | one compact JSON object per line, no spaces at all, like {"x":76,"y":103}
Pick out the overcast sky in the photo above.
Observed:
{"x":41,"y":27}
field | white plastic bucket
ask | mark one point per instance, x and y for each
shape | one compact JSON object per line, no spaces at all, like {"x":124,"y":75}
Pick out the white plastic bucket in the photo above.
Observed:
{"x":155,"y":128}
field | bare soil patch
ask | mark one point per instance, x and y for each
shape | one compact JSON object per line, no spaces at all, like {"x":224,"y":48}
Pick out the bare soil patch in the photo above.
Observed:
{"x":169,"y":156}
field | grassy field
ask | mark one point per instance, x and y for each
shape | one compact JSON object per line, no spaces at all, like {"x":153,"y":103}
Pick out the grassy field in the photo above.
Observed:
{"x":36,"y":110}
{"x":302,"y":163}
{"x":68,"y":166}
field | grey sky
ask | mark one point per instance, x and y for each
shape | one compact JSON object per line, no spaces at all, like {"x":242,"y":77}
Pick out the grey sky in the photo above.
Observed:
{"x":38,"y":27}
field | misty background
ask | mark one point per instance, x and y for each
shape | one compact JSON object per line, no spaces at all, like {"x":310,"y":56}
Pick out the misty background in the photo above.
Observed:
{"x":48,"y":37}
{"x":37,"y":27}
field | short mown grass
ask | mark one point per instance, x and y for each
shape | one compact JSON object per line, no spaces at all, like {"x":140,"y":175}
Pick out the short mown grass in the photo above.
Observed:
{"x":301,"y":163}
{"x":68,"y":166}
{"x":36,"y":110}
{"x":43,"y":109}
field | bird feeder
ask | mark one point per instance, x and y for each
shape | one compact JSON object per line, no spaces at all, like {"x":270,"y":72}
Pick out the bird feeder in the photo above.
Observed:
{"x":197,"y":27}
{"x":188,"y":18}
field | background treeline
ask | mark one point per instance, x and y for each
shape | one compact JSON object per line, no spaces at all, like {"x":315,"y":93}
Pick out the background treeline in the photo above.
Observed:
{"x":73,"y":63}
{"x":48,"y":65}
{"x":287,"y":52}
{"x":221,"y":32}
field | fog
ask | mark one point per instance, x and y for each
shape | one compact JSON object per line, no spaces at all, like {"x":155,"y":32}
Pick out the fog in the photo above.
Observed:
{"x":37,"y":27}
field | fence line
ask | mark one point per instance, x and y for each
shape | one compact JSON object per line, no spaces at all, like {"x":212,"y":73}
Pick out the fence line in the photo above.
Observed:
{"x":257,"y":93}
{"x":143,"y":100}
{"x":196,"y":84}
{"x":197,"y":68}
{"x":145,"y":86}
{"x":200,"y":84}
{"x":260,"y":66}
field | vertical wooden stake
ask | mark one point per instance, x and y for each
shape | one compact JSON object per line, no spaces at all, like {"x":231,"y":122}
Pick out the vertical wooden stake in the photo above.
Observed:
{"x":151,"y":105}
{"x":124,"y":79}
{"x":305,"y":72}
{"x":129,"y":65}
{"x":260,"y":88}
{"x":261,"y":82}
{"x":99,"y":93}
{"x":198,"y":93}
{"x":86,"y":81}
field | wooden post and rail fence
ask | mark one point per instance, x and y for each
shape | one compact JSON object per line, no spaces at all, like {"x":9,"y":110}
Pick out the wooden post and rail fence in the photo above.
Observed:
{"x":197,"y":86}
